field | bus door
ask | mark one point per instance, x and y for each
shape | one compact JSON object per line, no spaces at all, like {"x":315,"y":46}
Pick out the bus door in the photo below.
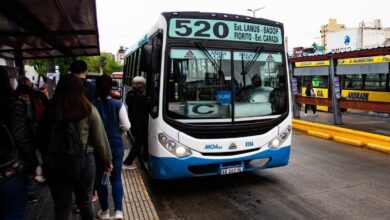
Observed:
{"x":150,"y":67}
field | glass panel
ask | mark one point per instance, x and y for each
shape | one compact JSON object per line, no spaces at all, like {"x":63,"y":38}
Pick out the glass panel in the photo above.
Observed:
{"x":259,"y":81}
{"x":376,"y":82}
{"x":199,"y":86}
{"x":354,"y":81}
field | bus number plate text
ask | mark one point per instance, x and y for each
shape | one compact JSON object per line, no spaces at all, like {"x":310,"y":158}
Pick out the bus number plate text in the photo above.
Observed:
{"x":232,"y":170}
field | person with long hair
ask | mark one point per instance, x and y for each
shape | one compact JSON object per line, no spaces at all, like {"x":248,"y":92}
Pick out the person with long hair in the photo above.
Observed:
{"x":70,"y":104}
{"x":17,"y":157}
{"x":116,"y":121}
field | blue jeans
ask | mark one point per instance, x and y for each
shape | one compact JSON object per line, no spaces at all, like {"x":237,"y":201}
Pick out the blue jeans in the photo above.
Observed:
{"x":13,"y":197}
{"x":117,"y":152}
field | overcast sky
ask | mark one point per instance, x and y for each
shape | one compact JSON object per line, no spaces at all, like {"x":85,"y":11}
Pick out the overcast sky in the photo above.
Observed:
{"x":124,"y":22}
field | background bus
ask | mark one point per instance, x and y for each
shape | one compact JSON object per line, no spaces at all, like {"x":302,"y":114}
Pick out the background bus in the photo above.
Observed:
{"x":219,"y":94}
{"x":117,"y":89}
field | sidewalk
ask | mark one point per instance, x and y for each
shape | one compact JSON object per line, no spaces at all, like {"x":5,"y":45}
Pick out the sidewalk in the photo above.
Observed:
{"x":352,"y":121}
{"x":136,"y":205}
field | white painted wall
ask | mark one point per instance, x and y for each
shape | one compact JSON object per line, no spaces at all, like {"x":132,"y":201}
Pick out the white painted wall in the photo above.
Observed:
{"x":31,"y":73}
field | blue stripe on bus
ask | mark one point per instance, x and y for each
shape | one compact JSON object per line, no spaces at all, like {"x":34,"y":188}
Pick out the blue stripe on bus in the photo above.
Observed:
{"x":173,"y":168}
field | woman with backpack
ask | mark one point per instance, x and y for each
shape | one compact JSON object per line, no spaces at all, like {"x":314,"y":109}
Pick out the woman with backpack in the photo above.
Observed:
{"x":71,"y":130}
{"x":17,"y":157}
{"x":116,"y":121}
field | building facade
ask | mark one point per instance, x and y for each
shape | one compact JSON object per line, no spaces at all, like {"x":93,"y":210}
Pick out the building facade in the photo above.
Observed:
{"x":120,"y":55}
{"x":367,"y":35}
{"x":331,"y":27}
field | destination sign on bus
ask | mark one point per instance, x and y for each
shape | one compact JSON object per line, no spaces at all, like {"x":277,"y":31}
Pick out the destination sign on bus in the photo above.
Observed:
{"x":224,"y":30}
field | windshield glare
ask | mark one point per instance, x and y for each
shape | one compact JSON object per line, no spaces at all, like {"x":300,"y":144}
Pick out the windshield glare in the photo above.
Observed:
{"x":198,"y":89}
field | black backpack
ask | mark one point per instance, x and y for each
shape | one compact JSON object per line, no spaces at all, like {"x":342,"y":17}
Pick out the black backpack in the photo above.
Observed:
{"x":8,"y":150}
{"x":65,"y":154}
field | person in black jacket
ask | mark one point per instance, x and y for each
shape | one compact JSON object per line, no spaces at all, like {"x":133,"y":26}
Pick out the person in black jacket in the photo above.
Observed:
{"x":138,"y":113}
{"x":310,"y":93}
{"x":23,"y":80}
{"x":17,"y":161}
{"x":80,"y":68}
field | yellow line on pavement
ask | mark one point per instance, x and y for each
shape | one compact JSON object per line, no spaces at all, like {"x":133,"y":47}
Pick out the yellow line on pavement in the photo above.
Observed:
{"x":357,"y":138}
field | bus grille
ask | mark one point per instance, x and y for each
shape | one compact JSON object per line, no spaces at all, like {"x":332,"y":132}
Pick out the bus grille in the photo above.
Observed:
{"x":204,"y":169}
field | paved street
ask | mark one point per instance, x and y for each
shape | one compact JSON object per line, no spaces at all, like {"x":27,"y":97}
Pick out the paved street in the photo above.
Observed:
{"x":324,"y":180}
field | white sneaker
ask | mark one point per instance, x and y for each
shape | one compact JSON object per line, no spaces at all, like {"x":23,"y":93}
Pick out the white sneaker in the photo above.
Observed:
{"x":129,"y":167}
{"x":103,"y":215}
{"x":118,"y":215}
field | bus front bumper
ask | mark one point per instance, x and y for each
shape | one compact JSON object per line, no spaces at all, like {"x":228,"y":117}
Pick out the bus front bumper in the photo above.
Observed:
{"x":173,"y":168}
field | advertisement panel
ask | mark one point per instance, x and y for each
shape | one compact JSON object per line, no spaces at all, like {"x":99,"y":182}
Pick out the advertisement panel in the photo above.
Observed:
{"x":320,"y":93}
{"x":312,"y":63}
{"x":372,"y":96}
{"x":342,"y":41}
{"x":364,"y":60}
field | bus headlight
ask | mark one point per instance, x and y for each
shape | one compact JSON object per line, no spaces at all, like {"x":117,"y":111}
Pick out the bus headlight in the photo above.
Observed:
{"x":279,"y":140}
{"x":173,"y":146}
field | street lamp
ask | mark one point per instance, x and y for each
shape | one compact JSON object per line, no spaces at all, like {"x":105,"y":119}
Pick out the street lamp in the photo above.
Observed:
{"x":255,"y":10}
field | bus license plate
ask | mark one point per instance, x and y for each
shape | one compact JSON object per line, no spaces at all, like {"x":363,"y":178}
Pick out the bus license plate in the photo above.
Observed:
{"x":232,"y":170}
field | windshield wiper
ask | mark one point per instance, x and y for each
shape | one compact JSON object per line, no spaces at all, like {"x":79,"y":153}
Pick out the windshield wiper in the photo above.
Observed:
{"x":248,"y":66}
{"x":208,"y":55}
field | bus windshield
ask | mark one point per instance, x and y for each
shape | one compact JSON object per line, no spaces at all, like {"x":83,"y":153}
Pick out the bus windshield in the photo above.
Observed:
{"x":225,"y":85}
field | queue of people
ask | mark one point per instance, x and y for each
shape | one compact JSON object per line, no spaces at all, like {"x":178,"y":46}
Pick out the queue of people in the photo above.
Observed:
{"x":76,"y":137}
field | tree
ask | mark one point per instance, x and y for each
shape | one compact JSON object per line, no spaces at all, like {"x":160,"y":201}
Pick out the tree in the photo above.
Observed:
{"x":93,"y":63}
{"x":64,"y":64}
{"x":41,"y":66}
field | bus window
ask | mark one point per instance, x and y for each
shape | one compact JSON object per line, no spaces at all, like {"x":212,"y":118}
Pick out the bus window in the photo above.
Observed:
{"x":257,"y":82}
{"x":197,"y":87}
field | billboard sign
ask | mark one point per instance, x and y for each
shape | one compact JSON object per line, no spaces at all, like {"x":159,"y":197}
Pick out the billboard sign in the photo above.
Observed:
{"x":342,"y":41}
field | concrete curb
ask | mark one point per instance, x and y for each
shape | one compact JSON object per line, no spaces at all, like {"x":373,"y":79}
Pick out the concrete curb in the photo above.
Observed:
{"x":357,"y":138}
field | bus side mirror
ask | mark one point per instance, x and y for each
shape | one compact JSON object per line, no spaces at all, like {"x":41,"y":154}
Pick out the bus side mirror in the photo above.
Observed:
{"x":146,"y":64}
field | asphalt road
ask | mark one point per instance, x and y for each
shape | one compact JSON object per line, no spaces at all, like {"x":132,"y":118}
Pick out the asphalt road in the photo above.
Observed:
{"x":324,"y":180}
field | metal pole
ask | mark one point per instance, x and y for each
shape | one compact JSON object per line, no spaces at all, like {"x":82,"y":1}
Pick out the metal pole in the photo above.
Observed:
{"x":337,"y":118}
{"x":51,"y":83}
{"x":255,"y":10}
{"x":296,"y":111}
{"x":20,"y":65}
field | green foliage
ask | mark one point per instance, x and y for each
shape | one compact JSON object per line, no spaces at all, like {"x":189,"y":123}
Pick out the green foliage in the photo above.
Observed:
{"x":93,"y":63}
{"x":64,"y":64}
{"x":41,"y":66}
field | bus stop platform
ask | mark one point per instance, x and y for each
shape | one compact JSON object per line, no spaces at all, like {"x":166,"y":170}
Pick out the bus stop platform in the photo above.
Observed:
{"x":359,"y":122}
{"x":137,"y":204}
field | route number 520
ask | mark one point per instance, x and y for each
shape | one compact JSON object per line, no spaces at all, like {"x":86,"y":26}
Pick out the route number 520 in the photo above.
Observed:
{"x":199,"y":28}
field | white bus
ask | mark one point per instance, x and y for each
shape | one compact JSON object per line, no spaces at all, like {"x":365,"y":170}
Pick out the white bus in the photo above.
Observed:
{"x":219,"y":94}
